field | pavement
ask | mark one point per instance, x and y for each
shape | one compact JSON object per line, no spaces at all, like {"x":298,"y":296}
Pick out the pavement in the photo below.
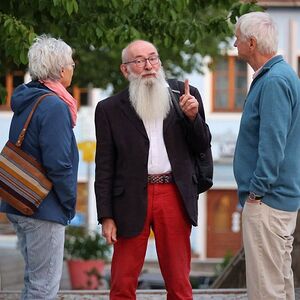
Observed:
{"x":11,"y":282}
{"x":141,"y":295}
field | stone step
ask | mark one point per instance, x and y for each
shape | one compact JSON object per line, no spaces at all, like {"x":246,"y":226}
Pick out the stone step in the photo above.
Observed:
{"x":199,"y":294}
{"x":228,"y":294}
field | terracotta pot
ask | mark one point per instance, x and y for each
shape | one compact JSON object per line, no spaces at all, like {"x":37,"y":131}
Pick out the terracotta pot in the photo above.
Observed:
{"x":85,"y":274}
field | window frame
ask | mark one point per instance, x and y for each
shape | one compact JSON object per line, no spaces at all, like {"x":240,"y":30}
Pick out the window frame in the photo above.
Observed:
{"x":9,"y":86}
{"x":231,"y":74}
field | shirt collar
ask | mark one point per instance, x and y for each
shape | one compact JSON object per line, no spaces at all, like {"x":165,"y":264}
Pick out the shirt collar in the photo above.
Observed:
{"x":259,"y":69}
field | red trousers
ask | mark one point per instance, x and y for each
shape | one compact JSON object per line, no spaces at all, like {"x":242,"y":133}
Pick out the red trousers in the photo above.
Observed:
{"x":167,"y":218}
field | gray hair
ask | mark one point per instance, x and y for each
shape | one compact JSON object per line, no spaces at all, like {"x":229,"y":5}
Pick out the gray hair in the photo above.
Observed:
{"x":259,"y":25}
{"x":47,"y":56}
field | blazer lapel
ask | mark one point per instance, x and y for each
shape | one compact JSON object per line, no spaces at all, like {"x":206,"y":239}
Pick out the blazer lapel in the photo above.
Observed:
{"x":171,"y":117}
{"x":131,"y":114}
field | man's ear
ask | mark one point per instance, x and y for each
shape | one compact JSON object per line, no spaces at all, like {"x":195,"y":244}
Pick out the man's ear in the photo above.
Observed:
{"x":124,"y":70}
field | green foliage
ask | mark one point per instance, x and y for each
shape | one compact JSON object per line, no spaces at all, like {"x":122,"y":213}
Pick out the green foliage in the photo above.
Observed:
{"x":99,"y":29}
{"x":226,"y":260}
{"x":18,"y":38}
{"x":82,"y":244}
{"x":241,"y":8}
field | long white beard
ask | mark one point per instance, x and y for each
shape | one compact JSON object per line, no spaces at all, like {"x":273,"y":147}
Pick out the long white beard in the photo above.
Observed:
{"x":149,"y":96}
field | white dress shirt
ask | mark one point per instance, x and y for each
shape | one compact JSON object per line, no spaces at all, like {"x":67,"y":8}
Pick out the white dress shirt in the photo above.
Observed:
{"x":158,"y":160}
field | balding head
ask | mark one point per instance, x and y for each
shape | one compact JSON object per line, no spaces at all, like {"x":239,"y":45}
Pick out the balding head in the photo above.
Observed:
{"x":137,"y":48}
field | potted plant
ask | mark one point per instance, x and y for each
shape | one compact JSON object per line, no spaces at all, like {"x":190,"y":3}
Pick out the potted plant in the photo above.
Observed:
{"x":86,"y":253}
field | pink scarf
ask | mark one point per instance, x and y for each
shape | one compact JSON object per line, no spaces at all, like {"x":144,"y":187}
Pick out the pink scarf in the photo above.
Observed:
{"x":62,"y":93}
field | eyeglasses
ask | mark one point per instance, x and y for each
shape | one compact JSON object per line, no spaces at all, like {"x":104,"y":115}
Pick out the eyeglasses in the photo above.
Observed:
{"x":141,"y":62}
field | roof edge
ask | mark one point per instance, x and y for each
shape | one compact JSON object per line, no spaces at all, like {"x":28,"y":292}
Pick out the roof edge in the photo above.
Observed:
{"x":274,"y":3}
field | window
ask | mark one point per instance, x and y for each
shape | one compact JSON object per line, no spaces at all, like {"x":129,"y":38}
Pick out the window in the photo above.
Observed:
{"x":81,"y":95}
{"x":2,"y":90}
{"x":10,"y":82}
{"x":229,"y":84}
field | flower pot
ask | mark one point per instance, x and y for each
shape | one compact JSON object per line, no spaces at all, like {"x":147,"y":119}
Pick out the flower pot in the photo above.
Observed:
{"x":85,"y":274}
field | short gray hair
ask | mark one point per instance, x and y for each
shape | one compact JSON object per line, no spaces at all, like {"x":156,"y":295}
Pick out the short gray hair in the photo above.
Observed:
{"x":260,"y":26}
{"x":47,"y":56}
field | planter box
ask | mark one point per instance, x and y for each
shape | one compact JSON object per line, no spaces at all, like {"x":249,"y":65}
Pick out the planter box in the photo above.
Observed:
{"x":85,"y":274}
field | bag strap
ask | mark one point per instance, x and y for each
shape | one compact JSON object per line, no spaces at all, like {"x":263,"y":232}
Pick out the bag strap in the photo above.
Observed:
{"x":23,"y":132}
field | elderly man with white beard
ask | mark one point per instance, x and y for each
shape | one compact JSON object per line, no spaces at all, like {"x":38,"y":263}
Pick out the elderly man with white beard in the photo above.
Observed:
{"x":145,"y":177}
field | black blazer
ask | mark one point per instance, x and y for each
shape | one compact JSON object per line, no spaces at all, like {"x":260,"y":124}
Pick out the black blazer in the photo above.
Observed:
{"x":122,"y":161}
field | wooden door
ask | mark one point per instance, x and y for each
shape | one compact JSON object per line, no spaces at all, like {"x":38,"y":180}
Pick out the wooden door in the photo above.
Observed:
{"x":223,"y":223}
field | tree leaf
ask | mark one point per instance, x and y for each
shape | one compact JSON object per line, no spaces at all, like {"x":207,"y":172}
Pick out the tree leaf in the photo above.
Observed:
{"x":69,"y":6}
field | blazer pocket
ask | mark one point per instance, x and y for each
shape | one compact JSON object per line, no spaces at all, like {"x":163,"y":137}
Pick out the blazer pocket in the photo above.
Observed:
{"x":118,"y":191}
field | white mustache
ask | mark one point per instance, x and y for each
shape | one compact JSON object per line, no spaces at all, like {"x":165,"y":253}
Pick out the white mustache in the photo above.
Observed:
{"x":148,"y":73}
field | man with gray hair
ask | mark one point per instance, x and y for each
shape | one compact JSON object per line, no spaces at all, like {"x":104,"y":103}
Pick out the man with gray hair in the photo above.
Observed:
{"x":145,"y":176}
{"x":265,"y":168}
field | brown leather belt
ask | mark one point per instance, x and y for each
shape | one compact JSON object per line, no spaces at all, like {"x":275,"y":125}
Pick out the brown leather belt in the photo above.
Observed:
{"x":160,"y":178}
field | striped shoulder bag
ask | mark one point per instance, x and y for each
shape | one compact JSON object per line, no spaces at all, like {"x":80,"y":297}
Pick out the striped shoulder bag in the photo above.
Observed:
{"x":23,"y":181}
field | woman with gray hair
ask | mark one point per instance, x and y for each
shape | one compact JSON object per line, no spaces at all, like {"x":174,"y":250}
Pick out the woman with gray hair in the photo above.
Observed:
{"x":50,"y":139}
